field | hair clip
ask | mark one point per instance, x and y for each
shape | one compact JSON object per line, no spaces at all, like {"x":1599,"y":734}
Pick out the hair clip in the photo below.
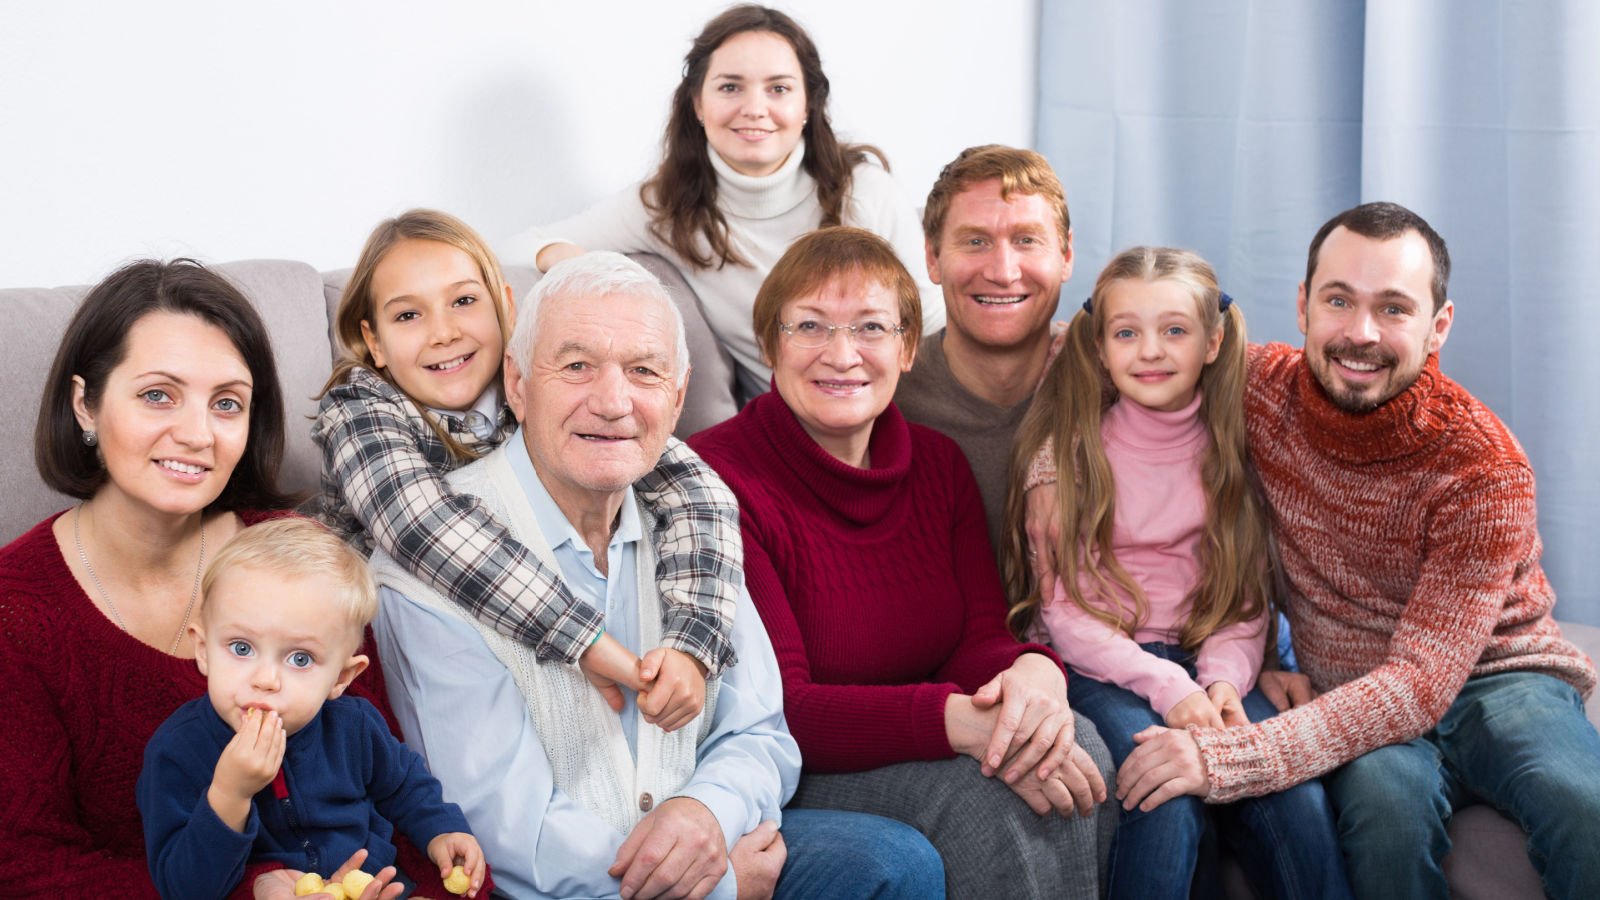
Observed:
{"x":1224,"y":302}
{"x":1088,"y":304}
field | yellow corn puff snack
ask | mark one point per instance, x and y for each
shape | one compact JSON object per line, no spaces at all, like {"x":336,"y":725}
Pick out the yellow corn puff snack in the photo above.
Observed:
{"x":354,"y":883}
{"x":309,"y":883}
{"x":458,"y":882}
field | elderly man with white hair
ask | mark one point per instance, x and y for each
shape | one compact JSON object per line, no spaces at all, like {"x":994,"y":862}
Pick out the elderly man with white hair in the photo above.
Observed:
{"x":568,"y":797}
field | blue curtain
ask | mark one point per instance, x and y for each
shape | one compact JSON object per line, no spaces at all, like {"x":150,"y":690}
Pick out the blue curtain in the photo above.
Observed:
{"x":1237,"y":128}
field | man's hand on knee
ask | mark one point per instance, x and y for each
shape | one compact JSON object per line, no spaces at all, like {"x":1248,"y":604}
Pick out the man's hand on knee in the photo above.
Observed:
{"x":676,"y":851}
{"x":757,"y":858}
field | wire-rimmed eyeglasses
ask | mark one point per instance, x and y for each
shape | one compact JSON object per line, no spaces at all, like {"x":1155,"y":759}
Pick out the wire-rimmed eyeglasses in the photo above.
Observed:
{"x":811,"y":334}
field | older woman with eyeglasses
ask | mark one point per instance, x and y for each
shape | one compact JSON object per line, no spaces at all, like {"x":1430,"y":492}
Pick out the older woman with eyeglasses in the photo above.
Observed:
{"x":868,"y":559}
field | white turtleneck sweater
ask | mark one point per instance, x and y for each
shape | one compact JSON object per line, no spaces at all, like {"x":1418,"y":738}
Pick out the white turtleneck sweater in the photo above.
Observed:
{"x":765,"y":215}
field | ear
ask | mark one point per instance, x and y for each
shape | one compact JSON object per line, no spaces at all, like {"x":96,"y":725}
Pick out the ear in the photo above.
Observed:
{"x":80,"y":410}
{"x":511,"y":313}
{"x":1066,"y":258}
{"x":683,"y":393}
{"x":1300,"y":303}
{"x":908,"y":356}
{"x":352,"y":667}
{"x":198,"y":634}
{"x":370,"y":337}
{"x":931,"y":251}
{"x":515,"y":386}
{"x":1214,"y":341}
{"x":1441,"y":326}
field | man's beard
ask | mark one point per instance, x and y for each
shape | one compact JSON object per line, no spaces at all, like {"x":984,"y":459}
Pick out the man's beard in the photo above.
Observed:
{"x":1359,"y":400}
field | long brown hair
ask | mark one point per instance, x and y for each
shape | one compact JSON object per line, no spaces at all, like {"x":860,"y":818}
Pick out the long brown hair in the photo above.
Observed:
{"x":1234,"y":552}
{"x":356,"y":304}
{"x":682,"y":194}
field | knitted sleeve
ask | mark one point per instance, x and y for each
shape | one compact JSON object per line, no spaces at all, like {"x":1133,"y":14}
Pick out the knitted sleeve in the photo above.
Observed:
{"x":370,"y":450}
{"x":1042,"y":470}
{"x":1478,"y":536}
{"x":620,"y":222}
{"x":399,"y":783}
{"x":45,"y":848}
{"x":987,"y":648}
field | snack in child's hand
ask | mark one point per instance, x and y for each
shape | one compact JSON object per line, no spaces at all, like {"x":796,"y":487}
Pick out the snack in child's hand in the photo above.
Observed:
{"x":458,"y":882}
{"x":309,"y":883}
{"x":335,"y":890}
{"x":354,"y":883}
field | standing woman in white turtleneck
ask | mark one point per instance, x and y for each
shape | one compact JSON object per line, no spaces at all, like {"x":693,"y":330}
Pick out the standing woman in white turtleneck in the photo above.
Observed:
{"x":750,"y":164}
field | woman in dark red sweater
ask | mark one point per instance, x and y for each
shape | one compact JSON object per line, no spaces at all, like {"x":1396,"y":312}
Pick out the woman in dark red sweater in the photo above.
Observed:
{"x":163,"y":414}
{"x":868,"y":558}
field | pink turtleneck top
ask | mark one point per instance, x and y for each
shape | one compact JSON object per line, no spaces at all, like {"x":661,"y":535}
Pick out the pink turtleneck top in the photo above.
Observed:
{"x":1158,"y":524}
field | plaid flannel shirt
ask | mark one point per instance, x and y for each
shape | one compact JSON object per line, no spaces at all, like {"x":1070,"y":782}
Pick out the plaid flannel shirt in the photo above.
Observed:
{"x":383,"y":485}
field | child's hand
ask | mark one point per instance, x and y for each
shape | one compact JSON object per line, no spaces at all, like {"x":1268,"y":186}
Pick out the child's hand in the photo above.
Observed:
{"x":1195,"y":709}
{"x":608,"y":664}
{"x":1225,"y":697}
{"x":457,"y":848}
{"x":674,"y":688}
{"x":247,"y":764}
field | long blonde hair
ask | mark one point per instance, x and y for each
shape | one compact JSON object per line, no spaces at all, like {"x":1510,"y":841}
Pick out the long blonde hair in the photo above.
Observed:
{"x":356,"y":304}
{"x":1077,"y":390}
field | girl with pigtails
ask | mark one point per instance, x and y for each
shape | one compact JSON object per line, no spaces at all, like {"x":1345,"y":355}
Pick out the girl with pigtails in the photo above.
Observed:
{"x":1161,"y":607}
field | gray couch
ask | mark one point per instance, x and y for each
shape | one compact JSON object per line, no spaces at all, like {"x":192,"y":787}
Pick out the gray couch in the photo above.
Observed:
{"x":297,"y":302}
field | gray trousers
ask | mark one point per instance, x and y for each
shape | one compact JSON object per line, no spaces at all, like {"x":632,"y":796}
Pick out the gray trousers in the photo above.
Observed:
{"x":993,"y":845}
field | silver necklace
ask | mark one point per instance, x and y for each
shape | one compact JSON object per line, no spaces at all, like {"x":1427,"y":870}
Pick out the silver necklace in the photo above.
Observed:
{"x":194,"y":592}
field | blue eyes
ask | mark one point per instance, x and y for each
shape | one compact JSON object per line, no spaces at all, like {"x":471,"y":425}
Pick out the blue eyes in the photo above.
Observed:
{"x":156,"y":395}
{"x":298,"y":659}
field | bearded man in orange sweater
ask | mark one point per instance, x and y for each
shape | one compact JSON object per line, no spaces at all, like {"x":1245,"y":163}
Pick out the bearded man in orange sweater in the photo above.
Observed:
{"x":1404,"y":511}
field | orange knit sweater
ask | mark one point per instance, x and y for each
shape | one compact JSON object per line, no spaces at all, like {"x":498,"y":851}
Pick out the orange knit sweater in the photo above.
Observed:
{"x":1410,"y":542}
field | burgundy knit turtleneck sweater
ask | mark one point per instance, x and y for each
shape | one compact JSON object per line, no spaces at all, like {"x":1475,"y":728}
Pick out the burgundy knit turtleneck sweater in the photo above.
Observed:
{"x":1410,"y":541}
{"x":877,"y":586}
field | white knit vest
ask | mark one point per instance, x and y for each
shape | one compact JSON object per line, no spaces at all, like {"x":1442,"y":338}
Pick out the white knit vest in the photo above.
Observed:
{"x":582,"y":737}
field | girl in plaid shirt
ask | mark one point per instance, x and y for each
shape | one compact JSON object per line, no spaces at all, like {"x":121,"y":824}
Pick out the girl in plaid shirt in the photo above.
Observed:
{"x":418,"y":394}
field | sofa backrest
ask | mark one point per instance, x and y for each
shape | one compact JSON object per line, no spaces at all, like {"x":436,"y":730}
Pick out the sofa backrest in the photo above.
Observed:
{"x":297,"y":303}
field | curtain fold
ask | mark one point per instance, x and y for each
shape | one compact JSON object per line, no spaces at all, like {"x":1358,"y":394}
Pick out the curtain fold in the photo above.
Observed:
{"x":1238,"y":128}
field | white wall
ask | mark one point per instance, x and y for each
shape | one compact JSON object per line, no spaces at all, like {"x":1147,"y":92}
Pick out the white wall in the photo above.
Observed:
{"x":228,"y":131}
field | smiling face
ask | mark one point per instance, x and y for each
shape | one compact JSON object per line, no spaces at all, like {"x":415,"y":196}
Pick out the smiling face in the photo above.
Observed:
{"x":753,"y":102}
{"x":1001,"y":263}
{"x":270,"y":642}
{"x":1154,"y":344}
{"x":174,"y":417}
{"x":838,"y":390}
{"x":599,"y":396}
{"x":433,"y":324}
{"x":1368,"y":317}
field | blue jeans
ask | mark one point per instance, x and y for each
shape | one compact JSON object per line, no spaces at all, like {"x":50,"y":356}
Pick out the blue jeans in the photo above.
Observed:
{"x":1515,"y":740}
{"x":854,"y":855}
{"x":1285,"y":841}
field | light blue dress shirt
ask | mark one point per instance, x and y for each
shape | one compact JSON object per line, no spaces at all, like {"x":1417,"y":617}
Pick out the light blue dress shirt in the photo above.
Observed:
{"x":460,"y":708}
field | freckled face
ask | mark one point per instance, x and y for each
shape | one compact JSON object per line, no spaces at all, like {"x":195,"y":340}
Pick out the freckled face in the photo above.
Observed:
{"x":1001,"y":263}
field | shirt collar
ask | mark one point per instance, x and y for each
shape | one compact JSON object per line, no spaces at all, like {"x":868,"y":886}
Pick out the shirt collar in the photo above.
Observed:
{"x":482,"y":419}
{"x":552,"y":521}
